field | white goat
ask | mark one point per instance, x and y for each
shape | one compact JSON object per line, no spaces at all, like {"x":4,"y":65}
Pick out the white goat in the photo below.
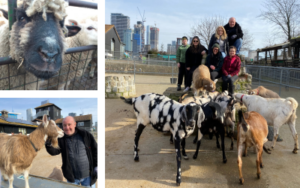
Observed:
{"x":276,"y":111}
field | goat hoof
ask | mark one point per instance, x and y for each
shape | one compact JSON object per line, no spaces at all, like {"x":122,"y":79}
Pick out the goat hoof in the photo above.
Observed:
{"x":241,"y":181}
{"x":295,"y":151}
{"x":261,"y":166}
{"x":171,"y":142}
{"x":224,"y":160}
{"x":195,"y":157}
{"x":258,"y":176}
{"x":136,"y":159}
{"x":185,"y":157}
{"x":218,"y":146}
{"x":178,"y":184}
{"x":195,"y":141}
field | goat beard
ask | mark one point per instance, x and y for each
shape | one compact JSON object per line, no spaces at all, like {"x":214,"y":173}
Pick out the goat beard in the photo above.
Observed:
{"x":54,"y":142}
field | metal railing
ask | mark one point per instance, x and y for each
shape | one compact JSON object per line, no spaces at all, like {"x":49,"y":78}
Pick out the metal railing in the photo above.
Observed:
{"x":80,"y":65}
{"x":41,"y":113}
{"x":281,"y":76}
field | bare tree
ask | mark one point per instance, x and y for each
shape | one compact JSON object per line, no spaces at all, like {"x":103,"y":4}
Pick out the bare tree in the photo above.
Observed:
{"x":284,"y":14}
{"x":207,"y":26}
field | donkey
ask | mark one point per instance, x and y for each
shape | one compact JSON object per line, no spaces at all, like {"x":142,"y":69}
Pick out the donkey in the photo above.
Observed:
{"x":18,"y":151}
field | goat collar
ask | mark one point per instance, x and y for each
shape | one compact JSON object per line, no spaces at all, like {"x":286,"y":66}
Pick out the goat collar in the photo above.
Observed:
{"x":242,"y":98}
{"x":257,"y":92}
{"x":33,"y":146}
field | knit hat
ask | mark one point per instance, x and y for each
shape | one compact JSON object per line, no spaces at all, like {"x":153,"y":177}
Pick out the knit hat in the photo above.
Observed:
{"x":184,"y":37}
{"x":216,"y":45}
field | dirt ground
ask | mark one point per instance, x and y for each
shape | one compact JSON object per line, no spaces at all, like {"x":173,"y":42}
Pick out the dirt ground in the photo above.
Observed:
{"x":157,"y":166}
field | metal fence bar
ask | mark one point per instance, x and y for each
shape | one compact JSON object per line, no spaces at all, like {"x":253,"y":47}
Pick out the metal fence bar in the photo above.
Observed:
{"x":12,"y":5}
{"x":85,"y":4}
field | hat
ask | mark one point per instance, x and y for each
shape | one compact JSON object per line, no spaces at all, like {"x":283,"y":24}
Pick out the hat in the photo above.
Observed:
{"x":216,"y":45}
{"x":184,"y":37}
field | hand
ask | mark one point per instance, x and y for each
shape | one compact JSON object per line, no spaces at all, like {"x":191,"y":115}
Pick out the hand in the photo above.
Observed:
{"x":178,"y":65}
{"x":212,"y":67}
{"x":233,"y":36}
{"x":188,"y":68}
{"x":203,"y":52}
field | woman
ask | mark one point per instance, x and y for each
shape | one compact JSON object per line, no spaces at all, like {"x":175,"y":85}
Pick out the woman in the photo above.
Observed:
{"x":231,"y":68}
{"x":219,"y":37}
{"x":214,"y":62}
{"x":193,"y":58}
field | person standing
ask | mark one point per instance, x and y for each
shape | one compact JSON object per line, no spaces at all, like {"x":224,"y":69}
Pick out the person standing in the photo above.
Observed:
{"x":214,"y":62}
{"x":180,"y":59}
{"x":231,"y":68}
{"x":193,"y":58}
{"x":235,"y":34}
{"x":221,"y":38}
{"x":78,"y":150}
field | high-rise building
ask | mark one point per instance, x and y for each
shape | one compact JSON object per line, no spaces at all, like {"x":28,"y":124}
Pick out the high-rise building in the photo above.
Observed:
{"x":169,"y":49}
{"x":72,"y":114}
{"x":148,"y":34}
{"x":154,"y":37}
{"x":136,"y":43}
{"x":29,"y":114}
{"x":139,"y":28}
{"x":128,"y":39}
{"x":121,"y":23}
{"x":173,"y":43}
{"x":178,"y":43}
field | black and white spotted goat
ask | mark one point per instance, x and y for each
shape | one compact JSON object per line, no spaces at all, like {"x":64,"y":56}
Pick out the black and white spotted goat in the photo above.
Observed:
{"x":165,"y":115}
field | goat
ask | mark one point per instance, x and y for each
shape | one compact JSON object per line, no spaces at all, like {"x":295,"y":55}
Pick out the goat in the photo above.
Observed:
{"x":276,"y":111}
{"x":263,"y":92}
{"x":18,"y":151}
{"x":166,"y":115}
{"x":252,"y":131}
{"x":202,"y":81}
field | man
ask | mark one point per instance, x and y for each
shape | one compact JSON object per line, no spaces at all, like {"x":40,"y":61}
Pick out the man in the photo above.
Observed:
{"x":235,"y":34}
{"x":180,"y":59}
{"x":78,"y":150}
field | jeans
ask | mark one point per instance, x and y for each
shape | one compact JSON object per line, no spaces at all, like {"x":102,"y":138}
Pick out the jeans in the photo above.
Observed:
{"x":214,"y":75}
{"x":84,"y":182}
{"x":229,"y":81}
{"x":182,"y":73}
{"x":238,"y":45}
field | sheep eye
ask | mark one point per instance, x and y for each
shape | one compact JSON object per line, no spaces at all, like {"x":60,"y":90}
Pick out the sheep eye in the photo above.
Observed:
{"x":90,"y":28}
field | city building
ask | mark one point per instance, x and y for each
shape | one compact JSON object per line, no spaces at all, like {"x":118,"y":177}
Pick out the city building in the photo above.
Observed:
{"x":121,"y":22}
{"x":128,"y":39}
{"x":29,"y":114}
{"x":148,"y":34}
{"x":112,"y":41}
{"x":154,"y":38}
{"x":49,"y":109}
{"x":12,"y":115}
{"x":72,"y":114}
{"x":136,"y":44}
{"x":178,"y":42}
{"x":169,"y":48}
{"x":82,"y":121}
{"x":147,"y":48}
{"x":173,"y":42}
{"x":139,"y":30}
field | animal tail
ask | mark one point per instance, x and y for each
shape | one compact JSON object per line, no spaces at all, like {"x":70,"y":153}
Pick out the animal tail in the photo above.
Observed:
{"x":242,"y":121}
{"x":182,"y":97}
{"x":128,"y":101}
{"x":295,"y":105}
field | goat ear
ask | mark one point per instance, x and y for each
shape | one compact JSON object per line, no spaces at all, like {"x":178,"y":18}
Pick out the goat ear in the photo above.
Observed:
{"x":5,"y":13}
{"x":45,"y":120}
{"x":201,"y":117}
{"x":183,"y":114}
{"x":73,"y":30}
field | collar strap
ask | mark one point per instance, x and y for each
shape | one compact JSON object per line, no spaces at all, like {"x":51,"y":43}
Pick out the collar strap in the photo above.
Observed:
{"x":33,"y":146}
{"x":242,"y":98}
{"x":257,"y":92}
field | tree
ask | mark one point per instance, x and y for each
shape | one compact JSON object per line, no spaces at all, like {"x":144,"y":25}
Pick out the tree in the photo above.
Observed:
{"x":284,"y":14}
{"x":207,"y":26}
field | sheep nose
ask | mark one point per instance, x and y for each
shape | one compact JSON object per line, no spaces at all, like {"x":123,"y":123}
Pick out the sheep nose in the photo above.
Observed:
{"x":47,"y":55}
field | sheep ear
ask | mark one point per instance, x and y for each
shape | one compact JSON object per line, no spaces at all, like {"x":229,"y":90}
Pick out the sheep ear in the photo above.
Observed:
{"x":216,"y":80}
{"x":5,"y":13}
{"x":73,"y":30}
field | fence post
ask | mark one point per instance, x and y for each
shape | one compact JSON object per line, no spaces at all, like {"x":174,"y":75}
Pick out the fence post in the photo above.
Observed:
{"x":12,"y":5}
{"x":259,"y":76}
{"x":280,"y":82}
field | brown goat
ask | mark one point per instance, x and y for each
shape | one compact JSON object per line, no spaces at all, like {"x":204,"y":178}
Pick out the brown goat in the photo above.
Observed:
{"x":202,"y":81}
{"x":18,"y":151}
{"x":263,"y":92}
{"x":252,"y":131}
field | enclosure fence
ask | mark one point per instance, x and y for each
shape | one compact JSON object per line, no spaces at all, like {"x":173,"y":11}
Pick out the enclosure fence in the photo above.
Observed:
{"x":78,"y":72}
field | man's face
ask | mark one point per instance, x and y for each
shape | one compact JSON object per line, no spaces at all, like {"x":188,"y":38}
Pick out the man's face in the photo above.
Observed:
{"x":69,"y":126}
{"x":184,"y":41}
{"x":232,"y":22}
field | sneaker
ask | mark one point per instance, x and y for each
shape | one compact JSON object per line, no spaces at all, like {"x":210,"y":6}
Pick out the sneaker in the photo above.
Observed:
{"x":178,"y":87}
{"x":186,"y":89}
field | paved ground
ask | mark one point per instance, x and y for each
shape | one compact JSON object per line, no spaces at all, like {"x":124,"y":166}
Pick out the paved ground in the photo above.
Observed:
{"x":157,"y":166}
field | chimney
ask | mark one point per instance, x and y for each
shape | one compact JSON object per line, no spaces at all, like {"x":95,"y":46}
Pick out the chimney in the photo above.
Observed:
{"x":4,"y":114}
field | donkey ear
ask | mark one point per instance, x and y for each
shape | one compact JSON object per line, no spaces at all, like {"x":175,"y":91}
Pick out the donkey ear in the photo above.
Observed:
{"x":45,"y":120}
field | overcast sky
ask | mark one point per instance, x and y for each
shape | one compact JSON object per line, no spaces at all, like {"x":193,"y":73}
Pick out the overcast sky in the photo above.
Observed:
{"x":176,"y":18}
{"x":77,"y":105}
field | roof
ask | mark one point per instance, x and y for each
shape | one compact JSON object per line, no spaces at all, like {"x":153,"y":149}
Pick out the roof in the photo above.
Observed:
{"x":77,"y":118}
{"x":2,"y":121}
{"x":47,"y":104}
{"x":109,"y":27}
{"x":276,"y":46}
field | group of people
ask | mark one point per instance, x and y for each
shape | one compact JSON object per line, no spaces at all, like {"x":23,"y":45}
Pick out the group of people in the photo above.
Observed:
{"x":222,"y":56}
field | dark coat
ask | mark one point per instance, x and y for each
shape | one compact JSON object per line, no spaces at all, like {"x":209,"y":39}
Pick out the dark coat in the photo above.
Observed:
{"x":217,"y":64}
{"x":193,"y":59}
{"x":238,"y":31}
{"x":90,"y":149}
{"x":213,"y":40}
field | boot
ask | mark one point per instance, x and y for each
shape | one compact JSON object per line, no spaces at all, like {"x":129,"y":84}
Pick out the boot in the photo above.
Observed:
{"x":178,"y":87}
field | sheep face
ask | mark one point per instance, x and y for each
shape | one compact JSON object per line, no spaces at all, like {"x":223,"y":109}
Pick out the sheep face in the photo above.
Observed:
{"x":189,"y":114}
{"x":52,"y":131}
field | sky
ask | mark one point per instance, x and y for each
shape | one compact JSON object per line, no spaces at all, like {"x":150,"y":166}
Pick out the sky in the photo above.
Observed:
{"x":78,"y":105}
{"x":176,"y":18}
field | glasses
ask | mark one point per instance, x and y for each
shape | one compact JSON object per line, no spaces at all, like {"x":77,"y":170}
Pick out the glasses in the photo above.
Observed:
{"x":195,"y":41}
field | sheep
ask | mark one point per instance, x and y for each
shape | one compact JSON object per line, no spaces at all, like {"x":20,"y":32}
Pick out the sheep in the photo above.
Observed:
{"x":18,"y":151}
{"x":3,"y":20}
{"x":252,"y":131}
{"x":202,"y":81}
{"x":263,"y":92}
{"x":276,"y":111}
{"x":36,"y":41}
{"x":166,"y":115}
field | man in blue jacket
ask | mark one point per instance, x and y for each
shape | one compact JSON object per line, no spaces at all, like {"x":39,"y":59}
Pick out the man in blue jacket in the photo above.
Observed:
{"x":78,"y":150}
